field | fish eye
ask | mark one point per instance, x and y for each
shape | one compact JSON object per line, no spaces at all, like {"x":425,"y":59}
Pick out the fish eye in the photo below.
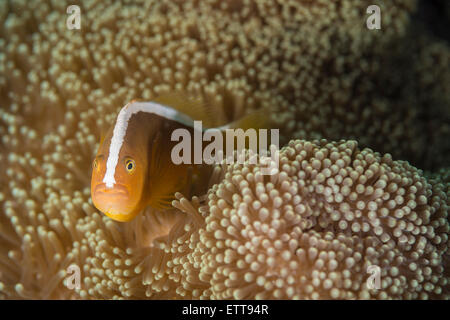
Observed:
{"x":130,"y":165}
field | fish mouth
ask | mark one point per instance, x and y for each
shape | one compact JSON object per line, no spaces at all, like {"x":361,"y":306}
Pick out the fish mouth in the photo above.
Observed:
{"x":117,"y":190}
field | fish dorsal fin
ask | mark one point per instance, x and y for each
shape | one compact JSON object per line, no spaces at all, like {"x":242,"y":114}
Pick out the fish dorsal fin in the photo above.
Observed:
{"x":194,"y":107}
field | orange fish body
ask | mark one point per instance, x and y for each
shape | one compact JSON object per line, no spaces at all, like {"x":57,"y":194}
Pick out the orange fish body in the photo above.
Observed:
{"x":134,"y":168}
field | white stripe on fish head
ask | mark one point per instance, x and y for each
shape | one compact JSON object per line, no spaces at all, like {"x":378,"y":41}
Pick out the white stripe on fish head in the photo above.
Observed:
{"x":120,"y":130}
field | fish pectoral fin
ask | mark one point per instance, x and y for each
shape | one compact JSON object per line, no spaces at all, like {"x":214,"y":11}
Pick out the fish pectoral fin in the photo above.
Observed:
{"x":103,"y":133}
{"x":165,"y":187}
{"x":163,"y":203}
{"x":156,"y":164}
{"x":194,"y":107}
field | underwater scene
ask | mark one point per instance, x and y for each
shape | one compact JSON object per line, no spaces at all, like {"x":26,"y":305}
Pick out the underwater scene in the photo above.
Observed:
{"x":224,"y":149}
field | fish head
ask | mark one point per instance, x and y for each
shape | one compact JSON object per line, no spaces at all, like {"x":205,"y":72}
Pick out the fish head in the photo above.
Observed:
{"x":120,"y":201}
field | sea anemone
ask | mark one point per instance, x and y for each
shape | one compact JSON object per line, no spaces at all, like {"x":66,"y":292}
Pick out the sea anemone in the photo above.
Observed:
{"x":312,"y":230}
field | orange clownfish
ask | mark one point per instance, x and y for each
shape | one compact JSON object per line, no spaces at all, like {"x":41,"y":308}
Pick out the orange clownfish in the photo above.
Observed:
{"x":133,"y":168}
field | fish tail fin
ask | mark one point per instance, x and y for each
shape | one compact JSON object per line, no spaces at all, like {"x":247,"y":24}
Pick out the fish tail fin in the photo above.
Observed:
{"x":255,"y":120}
